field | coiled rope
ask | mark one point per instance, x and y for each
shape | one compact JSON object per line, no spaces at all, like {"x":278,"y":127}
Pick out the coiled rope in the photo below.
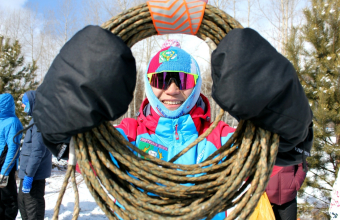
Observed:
{"x":136,"y":24}
{"x":149,"y":188}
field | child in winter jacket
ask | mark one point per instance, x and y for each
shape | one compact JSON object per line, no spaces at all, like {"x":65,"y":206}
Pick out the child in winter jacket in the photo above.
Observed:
{"x":9,"y":126}
{"x":251,"y":81}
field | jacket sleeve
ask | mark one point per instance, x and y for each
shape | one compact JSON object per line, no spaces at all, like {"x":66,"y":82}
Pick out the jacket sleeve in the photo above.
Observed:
{"x":12,"y":147}
{"x":252,"y":81}
{"x":37,"y":153}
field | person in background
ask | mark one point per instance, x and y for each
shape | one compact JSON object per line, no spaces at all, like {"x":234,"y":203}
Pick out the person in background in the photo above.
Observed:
{"x":9,"y":126}
{"x":35,"y":167}
{"x":282,"y":190}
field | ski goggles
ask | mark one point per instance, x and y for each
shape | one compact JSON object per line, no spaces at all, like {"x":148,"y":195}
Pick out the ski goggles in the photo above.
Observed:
{"x":164,"y":79}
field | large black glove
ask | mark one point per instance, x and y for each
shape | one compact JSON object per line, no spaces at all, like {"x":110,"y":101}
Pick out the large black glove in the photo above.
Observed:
{"x":91,"y":80}
{"x":252,"y":81}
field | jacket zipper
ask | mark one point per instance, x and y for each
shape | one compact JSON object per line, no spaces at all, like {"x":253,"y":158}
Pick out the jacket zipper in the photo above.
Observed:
{"x":176,"y":133}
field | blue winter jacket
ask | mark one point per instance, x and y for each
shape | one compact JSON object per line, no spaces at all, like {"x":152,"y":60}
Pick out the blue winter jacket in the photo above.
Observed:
{"x":164,"y":137}
{"x":35,"y":158}
{"x":9,"y":126}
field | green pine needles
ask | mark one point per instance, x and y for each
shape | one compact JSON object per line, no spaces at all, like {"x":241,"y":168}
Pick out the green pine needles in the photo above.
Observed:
{"x":314,"y":50}
{"x":16,"y":76}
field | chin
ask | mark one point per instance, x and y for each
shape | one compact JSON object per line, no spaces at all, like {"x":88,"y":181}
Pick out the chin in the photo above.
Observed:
{"x":172,"y":108}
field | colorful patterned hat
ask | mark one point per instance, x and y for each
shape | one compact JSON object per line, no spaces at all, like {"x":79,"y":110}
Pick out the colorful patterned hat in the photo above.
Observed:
{"x":173,"y":59}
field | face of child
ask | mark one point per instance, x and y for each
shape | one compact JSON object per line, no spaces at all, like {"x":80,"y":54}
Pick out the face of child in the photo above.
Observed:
{"x":173,"y":97}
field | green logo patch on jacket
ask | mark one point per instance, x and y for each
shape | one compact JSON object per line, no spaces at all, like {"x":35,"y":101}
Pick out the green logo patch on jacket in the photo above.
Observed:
{"x":153,"y":149}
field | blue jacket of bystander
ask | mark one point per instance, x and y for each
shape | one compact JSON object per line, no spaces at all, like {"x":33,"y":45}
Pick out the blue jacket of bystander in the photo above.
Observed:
{"x":35,"y":158}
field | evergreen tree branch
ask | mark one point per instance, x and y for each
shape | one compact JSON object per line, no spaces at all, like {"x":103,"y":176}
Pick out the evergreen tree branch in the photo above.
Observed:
{"x":331,"y":171}
{"x":318,"y":69}
{"x":323,"y":180}
{"x":315,"y":197}
{"x":17,"y":77}
{"x":332,"y":161}
{"x":328,"y":141}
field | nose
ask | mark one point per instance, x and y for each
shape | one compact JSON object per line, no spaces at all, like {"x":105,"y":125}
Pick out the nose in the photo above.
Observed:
{"x":172,"y":89}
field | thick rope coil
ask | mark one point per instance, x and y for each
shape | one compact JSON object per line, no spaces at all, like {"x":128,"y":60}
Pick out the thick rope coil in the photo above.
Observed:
{"x":250,"y":152}
{"x":149,"y":188}
{"x":136,"y":24}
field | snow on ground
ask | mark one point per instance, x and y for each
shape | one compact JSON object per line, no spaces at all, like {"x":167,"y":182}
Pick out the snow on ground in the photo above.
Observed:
{"x":88,"y":207}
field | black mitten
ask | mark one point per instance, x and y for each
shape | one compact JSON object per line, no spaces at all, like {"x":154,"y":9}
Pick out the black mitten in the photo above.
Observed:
{"x":252,"y":81}
{"x":91,"y":80}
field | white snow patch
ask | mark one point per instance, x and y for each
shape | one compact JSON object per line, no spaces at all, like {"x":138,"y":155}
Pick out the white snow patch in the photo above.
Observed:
{"x":88,"y":207}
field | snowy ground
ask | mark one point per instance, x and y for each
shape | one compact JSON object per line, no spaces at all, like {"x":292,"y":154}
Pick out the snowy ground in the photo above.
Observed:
{"x":89,"y":210}
{"x":88,"y":207}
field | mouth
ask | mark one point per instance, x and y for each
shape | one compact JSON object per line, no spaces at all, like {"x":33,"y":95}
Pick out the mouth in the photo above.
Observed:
{"x":168,"y":102}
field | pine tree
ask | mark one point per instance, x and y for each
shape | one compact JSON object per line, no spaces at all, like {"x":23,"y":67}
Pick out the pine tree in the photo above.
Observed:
{"x":314,"y":50}
{"x":16,"y":77}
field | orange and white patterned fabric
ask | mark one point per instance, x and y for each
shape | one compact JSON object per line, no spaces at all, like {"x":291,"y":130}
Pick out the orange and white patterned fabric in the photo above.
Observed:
{"x":177,"y":16}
